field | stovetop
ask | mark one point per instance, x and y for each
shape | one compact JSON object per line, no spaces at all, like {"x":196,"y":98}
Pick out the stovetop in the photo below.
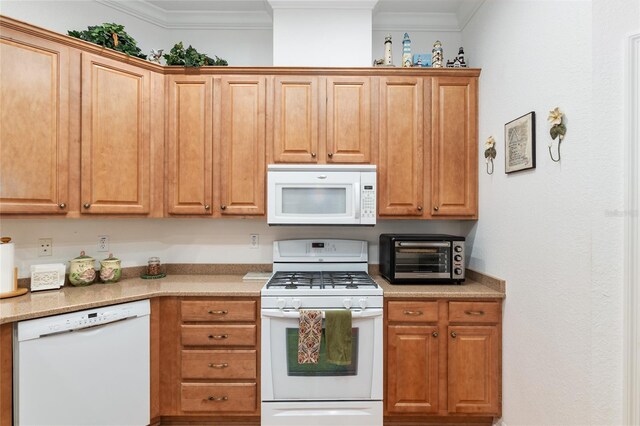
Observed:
{"x":292,"y":280}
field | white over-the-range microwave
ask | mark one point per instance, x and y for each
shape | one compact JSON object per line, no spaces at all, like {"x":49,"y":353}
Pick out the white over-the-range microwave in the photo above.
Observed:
{"x":321,"y":194}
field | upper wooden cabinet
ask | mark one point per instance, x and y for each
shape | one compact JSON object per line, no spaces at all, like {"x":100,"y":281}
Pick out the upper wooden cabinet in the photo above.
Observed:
{"x":454,"y":160}
{"x":400,"y":167}
{"x":115,"y":159}
{"x":34,"y":124}
{"x":322,"y":119}
{"x":190,"y":145}
{"x":242,"y":145}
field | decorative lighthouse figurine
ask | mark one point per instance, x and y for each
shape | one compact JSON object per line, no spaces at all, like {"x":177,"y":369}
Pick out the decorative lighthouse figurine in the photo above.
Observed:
{"x":406,"y":51}
{"x":388,"y":60}
{"x":437,"y":55}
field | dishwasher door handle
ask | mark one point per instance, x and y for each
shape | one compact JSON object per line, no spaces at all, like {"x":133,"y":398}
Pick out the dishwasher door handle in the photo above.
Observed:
{"x":88,"y":328}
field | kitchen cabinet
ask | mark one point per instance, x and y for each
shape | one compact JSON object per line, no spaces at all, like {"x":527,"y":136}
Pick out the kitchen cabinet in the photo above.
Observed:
{"x":35,"y":115}
{"x":454,"y":160}
{"x":209,"y":352}
{"x":323,"y":119}
{"x":116,"y":141}
{"x":401,"y":139}
{"x":6,"y":374}
{"x":190,"y":145}
{"x":242,"y":104}
{"x":443,"y":358}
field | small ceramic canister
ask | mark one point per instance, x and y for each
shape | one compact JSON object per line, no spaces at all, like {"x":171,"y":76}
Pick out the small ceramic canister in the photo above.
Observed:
{"x":110,"y":269}
{"x":81,"y":271}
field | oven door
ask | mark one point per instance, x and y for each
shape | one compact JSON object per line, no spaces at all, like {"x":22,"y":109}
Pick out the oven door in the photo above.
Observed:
{"x":422,"y":259}
{"x":283,"y":379}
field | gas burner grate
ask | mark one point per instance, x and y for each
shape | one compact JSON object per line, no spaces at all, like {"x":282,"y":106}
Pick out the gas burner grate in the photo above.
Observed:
{"x":321,"y":280}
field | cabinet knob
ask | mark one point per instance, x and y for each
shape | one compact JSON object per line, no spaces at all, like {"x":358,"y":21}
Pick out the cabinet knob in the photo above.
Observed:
{"x":207,"y":206}
{"x":223,"y":207}
{"x":436,"y":208}
{"x":313,"y":154}
{"x":86,"y":205}
{"x":330,"y":155}
{"x":419,"y":208}
{"x":217,"y":398}
{"x":434,"y":334}
{"x":454,"y":334}
{"x":62,"y":205}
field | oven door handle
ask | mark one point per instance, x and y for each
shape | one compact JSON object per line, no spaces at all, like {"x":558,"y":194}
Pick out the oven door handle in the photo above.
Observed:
{"x":355,"y":314}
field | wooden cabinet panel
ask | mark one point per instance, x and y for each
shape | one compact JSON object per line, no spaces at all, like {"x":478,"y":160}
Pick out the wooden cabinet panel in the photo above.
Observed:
{"x":348,"y":120}
{"x":115,"y":137}
{"x":400,"y":170}
{"x":412,"y":369}
{"x":218,"y":310}
{"x":218,"y":335}
{"x":190,"y":145}
{"x":34,"y":124}
{"x":219,"y":397}
{"x":419,"y":311}
{"x":473,"y":375}
{"x":231,"y":364}
{"x":242,"y":156}
{"x":475,"y":312}
{"x":454,"y":176}
{"x":295,"y":126}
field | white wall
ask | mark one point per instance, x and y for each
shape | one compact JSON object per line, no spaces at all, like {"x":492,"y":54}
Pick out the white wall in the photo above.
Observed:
{"x":184,"y":240}
{"x":421,"y":42}
{"x":552,"y":232}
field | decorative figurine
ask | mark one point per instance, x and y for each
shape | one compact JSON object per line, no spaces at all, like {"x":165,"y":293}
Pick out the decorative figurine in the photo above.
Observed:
{"x":155,"y":55}
{"x":422,"y":60}
{"x":460,"y":58}
{"x":451,"y":63}
{"x":388,"y":59}
{"x":436,"y":54}
{"x":406,"y":51}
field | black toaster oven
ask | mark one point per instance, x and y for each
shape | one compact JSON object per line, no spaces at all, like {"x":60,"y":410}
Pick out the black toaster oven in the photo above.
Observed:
{"x":422,"y":258}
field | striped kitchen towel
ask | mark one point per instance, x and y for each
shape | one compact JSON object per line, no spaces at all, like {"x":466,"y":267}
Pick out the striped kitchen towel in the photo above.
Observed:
{"x":309,"y":336}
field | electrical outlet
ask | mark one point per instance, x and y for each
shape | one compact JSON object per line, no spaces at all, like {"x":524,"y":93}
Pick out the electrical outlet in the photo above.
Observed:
{"x":254,"y":241}
{"x":103,"y":243}
{"x":45,"y":246}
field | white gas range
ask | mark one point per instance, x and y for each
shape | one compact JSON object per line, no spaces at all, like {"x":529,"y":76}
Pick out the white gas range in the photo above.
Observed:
{"x":322,"y":274}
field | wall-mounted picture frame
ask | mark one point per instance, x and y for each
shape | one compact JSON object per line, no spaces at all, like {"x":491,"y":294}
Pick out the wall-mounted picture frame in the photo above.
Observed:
{"x":520,"y":143}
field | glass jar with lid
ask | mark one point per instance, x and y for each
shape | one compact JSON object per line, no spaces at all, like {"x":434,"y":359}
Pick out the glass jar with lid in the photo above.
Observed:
{"x":154,"y":266}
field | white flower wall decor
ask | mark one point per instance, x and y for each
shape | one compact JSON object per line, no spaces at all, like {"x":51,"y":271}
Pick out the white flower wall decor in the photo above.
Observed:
{"x":558,"y":130}
{"x":489,"y":153}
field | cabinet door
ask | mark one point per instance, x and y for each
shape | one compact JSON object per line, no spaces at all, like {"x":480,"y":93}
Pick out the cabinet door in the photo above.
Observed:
{"x":242,"y":155}
{"x":454,"y":177}
{"x":190,"y":145}
{"x":115,"y":137}
{"x":412,"y":369}
{"x":348,"y":120}
{"x":295,"y":126}
{"x":474,"y":369}
{"x":400,"y":171}
{"x":34,"y":124}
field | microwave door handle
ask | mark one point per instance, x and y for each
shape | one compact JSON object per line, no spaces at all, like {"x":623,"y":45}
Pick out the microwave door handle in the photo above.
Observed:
{"x":422,"y":244}
{"x":356,"y":195}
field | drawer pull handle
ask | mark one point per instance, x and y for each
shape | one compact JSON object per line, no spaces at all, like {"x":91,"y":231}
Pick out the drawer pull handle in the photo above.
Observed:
{"x":414,"y":313}
{"x":217,"y":398}
{"x":474,"y":312}
{"x":223,"y":365}
{"x":218,"y":336}
{"x":218,"y":312}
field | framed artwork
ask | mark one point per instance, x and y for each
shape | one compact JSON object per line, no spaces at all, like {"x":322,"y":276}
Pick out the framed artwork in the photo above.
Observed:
{"x":520,"y":143}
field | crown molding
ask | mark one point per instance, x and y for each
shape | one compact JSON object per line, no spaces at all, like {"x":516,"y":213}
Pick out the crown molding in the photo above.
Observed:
{"x":323,"y":4}
{"x":466,"y":11}
{"x":400,"y":21}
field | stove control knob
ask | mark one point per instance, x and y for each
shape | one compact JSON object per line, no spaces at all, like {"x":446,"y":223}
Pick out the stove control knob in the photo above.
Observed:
{"x":457,"y":249}
{"x":457,"y":271}
{"x":457,"y":258}
{"x":347,"y":303}
{"x":281,"y":303}
{"x":363,"y":303}
{"x":296,"y":303}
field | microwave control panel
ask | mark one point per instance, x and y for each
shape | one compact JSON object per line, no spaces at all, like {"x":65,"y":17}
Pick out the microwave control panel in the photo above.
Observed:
{"x":457,"y":271}
{"x":368,"y":197}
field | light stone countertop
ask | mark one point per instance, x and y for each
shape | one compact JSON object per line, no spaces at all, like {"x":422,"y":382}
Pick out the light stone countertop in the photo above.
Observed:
{"x":69,"y":298}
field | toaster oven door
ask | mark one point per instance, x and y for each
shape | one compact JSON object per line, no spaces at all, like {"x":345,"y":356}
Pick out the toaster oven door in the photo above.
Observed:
{"x":422,"y":259}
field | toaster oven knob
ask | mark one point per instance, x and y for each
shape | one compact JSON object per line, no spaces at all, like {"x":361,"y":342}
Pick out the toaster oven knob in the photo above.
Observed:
{"x":457,"y":271}
{"x":457,"y":249}
{"x":281,"y":303}
{"x":363,"y":303}
{"x":457,"y":257}
{"x":347,"y":303}
{"x":296,"y":303}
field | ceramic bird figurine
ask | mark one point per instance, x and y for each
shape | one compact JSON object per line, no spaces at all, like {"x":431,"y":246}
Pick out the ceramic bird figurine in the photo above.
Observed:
{"x":155,"y":55}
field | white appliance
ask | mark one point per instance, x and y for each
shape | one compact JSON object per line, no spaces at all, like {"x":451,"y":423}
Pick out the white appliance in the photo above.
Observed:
{"x":84,"y":368}
{"x":321,"y":274}
{"x":321,"y":194}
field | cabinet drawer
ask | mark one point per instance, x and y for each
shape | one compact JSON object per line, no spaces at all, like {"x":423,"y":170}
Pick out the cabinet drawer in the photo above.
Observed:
{"x":407,"y":311}
{"x":219,"y":397}
{"x":218,"y":335}
{"x":219,"y":310}
{"x":476,"y":312}
{"x":219,"y":364}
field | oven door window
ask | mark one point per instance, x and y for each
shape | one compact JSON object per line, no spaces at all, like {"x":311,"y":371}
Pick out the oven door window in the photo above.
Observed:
{"x":322,"y":368}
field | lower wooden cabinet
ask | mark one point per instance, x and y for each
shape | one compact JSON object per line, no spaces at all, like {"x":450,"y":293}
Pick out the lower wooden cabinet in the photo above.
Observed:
{"x":443,"y":358}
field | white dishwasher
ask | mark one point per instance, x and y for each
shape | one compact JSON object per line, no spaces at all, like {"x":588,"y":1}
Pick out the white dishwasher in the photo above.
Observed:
{"x":84,"y":368}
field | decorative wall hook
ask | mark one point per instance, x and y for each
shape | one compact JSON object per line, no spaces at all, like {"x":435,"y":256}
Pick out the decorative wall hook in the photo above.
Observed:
{"x":558,"y":130}
{"x":490,"y":153}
